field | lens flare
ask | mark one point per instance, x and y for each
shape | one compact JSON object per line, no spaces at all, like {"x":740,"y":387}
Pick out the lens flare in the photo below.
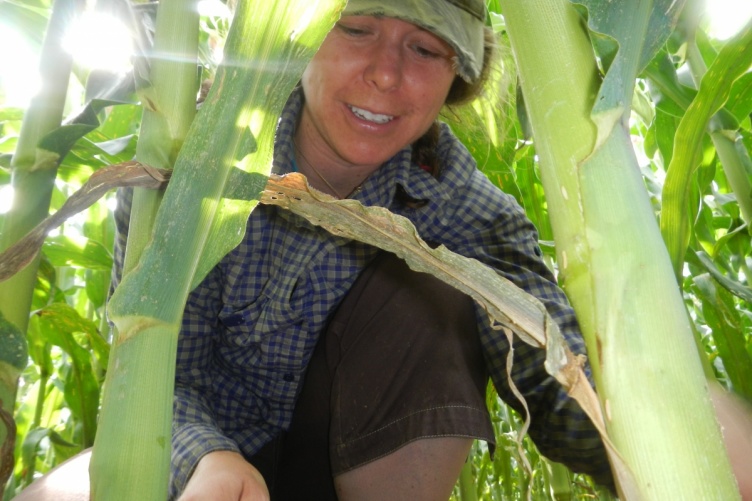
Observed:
{"x":99,"y":41}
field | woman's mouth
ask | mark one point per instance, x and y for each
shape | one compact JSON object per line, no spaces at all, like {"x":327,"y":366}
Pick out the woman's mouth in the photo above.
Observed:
{"x":376,"y":118}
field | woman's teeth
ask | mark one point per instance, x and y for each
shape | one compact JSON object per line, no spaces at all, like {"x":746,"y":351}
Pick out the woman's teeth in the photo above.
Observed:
{"x":371,"y":117}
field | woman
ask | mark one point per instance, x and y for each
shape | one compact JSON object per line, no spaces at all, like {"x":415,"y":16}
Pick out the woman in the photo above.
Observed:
{"x":394,"y":393}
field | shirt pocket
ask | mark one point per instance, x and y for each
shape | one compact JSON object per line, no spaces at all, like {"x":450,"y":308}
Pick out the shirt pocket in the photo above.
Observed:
{"x":266,"y":335}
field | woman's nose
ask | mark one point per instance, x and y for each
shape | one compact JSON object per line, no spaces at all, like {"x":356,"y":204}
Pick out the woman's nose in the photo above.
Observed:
{"x":385,"y":67}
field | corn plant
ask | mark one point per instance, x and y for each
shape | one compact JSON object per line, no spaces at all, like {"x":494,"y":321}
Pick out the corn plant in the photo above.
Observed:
{"x":234,"y":131}
{"x":613,"y":261}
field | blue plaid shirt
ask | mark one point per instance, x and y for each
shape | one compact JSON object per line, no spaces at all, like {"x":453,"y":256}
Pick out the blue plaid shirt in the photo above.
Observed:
{"x":250,"y":327}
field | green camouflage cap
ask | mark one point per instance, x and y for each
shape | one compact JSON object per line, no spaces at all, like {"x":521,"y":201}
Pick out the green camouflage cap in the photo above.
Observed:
{"x":458,"y":22}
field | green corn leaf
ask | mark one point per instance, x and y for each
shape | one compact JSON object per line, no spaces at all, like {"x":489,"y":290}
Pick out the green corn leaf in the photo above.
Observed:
{"x":27,"y":18}
{"x":733,"y":61}
{"x":11,"y":114}
{"x":674,"y":98}
{"x":728,"y":332}
{"x":57,"y":324}
{"x":39,"y":349}
{"x":740,"y":98}
{"x":742,"y":292}
{"x":97,"y":287}
{"x":533,"y":196}
{"x":638,"y":29}
{"x":87,"y":156}
{"x":30,"y":445}
{"x":665,"y":131}
{"x":57,"y":143}
{"x":80,"y":252}
{"x":63,"y":448}
{"x":13,"y":358}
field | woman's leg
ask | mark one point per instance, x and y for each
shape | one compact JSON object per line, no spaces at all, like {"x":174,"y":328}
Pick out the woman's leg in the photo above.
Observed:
{"x":394,"y":394}
{"x":424,"y":469}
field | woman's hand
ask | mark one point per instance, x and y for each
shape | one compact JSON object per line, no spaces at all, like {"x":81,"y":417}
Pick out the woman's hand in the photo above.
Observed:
{"x":225,"y":476}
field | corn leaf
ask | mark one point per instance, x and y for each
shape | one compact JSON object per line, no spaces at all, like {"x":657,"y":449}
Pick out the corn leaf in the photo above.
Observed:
{"x":57,"y":324}
{"x":728,"y":332}
{"x":638,"y":30}
{"x":733,"y":61}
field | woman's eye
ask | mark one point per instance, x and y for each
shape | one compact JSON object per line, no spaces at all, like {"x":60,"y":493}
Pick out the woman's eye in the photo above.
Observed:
{"x":352,"y":31}
{"x":426,"y":53}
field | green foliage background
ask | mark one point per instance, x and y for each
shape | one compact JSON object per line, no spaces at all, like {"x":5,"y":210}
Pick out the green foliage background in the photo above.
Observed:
{"x":68,"y":337}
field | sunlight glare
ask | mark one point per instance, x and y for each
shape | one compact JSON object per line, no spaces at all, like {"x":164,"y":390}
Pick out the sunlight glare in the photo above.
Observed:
{"x":19,"y":75}
{"x":6,"y":198}
{"x":727,"y":17}
{"x":111,"y":202}
{"x":214,"y":8}
{"x":100,"y":41}
{"x":303,"y":21}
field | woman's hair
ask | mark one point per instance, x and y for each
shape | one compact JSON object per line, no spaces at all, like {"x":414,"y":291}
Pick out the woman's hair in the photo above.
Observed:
{"x":461,"y":92}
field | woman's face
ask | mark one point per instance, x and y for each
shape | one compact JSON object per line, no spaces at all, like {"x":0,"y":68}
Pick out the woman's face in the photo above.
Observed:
{"x":375,"y":86}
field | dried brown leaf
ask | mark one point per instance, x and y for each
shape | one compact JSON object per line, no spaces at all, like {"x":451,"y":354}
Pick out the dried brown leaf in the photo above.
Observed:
{"x":20,"y":254}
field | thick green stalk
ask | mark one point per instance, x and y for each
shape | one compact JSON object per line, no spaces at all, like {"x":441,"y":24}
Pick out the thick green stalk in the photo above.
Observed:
{"x":33,"y":175}
{"x":266,"y":52}
{"x":169,"y":108}
{"x":33,"y":170}
{"x":615,"y":267}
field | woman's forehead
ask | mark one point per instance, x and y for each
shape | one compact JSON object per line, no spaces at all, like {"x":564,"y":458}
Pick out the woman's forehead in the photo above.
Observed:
{"x":460,"y":23}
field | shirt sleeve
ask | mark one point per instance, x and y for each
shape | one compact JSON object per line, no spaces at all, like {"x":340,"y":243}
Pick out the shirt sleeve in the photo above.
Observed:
{"x":490,"y":226}
{"x":124,"y":197}
{"x":194,"y":431}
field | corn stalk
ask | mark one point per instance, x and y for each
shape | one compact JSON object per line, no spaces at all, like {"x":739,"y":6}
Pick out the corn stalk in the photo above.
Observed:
{"x":613,"y":263}
{"x":33,"y":170}
{"x":197,"y":223}
{"x":168,"y":95}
